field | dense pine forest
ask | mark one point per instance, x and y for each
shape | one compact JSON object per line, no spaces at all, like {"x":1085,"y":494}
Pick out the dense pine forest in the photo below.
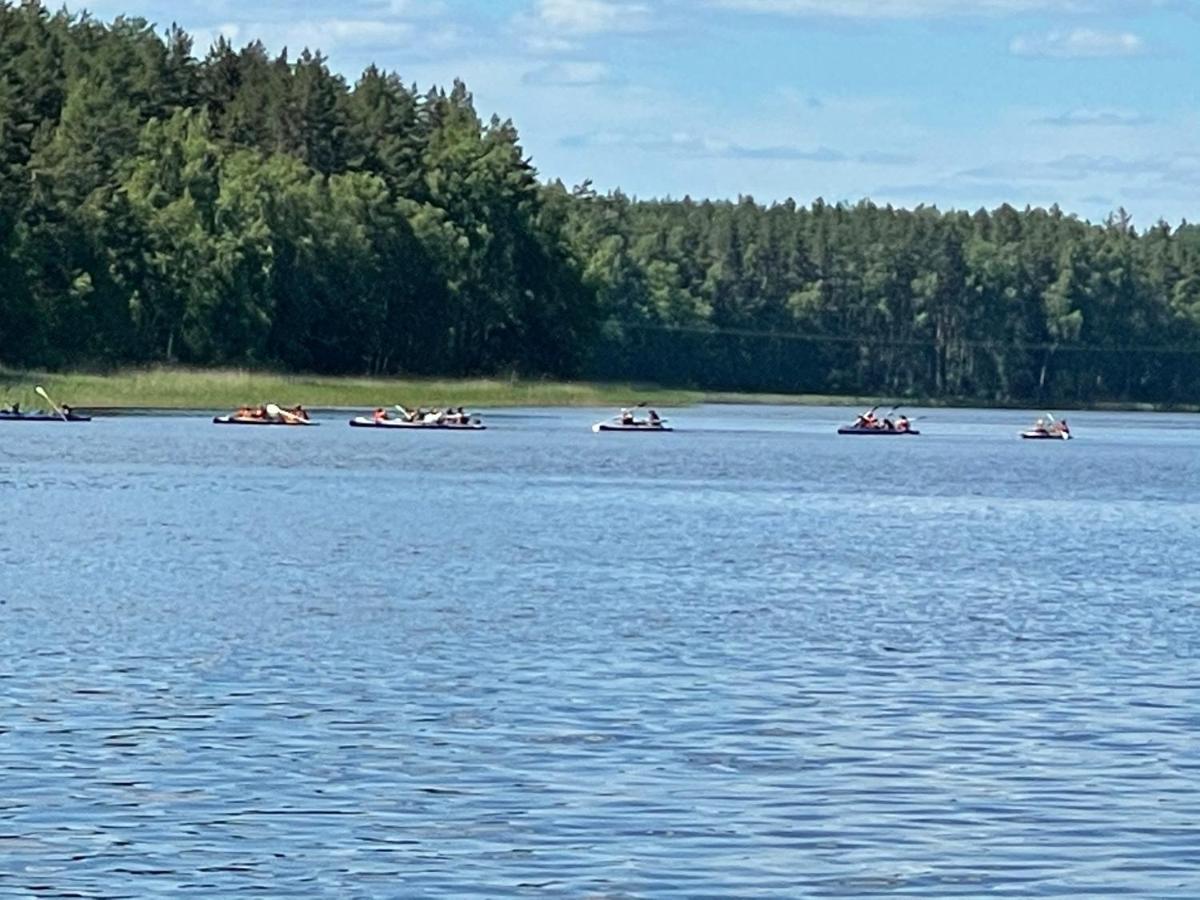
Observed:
{"x":160,"y":204}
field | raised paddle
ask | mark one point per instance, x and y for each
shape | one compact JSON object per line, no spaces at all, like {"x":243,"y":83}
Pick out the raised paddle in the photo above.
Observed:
{"x":1053,"y":423}
{"x":41,"y":392}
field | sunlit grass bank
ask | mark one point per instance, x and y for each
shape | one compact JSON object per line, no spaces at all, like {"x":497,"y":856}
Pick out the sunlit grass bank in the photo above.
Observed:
{"x":222,"y":389}
{"x":173,"y":388}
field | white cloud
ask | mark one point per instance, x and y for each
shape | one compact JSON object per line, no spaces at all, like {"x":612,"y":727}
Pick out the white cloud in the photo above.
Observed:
{"x":570,"y":74}
{"x":548,"y":44}
{"x":417,"y":8}
{"x":336,"y":37}
{"x":1101,"y":118}
{"x":688,"y":144}
{"x":1079,"y":43}
{"x":589,"y":17}
{"x":1085,"y":167}
{"x":910,"y":9}
{"x":204,"y":38}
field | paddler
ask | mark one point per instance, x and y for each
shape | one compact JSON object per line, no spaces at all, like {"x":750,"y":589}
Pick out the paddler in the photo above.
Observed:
{"x":626,"y":417}
{"x":653,"y":419}
{"x":380,"y":415}
{"x":902,"y":423}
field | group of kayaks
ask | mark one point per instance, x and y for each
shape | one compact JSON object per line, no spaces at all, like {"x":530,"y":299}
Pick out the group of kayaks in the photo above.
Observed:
{"x":449,"y":419}
{"x":1046,"y":428}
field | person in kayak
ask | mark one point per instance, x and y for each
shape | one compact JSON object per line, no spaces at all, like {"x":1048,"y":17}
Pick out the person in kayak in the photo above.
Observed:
{"x":14,"y":408}
{"x":1062,"y":427}
{"x":380,"y":415}
{"x":902,"y":423}
{"x":866,"y":420}
{"x":299,"y":412}
{"x":626,"y":417}
{"x":653,"y":419}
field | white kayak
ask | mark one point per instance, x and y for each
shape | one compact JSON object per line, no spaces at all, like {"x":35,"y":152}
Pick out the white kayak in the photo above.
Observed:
{"x":372,"y":422}
{"x":617,"y":426}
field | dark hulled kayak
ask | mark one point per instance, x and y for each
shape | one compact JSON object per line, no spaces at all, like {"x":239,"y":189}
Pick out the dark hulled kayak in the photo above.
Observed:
{"x":1045,"y":436}
{"x":894,"y":432}
{"x":617,"y":426}
{"x":370,"y":422}
{"x":42,"y":417}
{"x":240,"y":420}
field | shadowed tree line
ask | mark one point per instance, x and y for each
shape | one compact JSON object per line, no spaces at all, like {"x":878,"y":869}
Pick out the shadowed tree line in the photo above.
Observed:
{"x":998,"y":305}
{"x":256,"y":209}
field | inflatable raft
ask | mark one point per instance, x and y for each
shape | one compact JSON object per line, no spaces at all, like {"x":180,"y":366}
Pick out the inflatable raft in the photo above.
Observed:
{"x":371,"y":422}
{"x":254,"y":420}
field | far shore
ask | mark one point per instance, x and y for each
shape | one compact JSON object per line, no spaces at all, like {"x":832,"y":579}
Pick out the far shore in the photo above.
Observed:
{"x":162,"y":388}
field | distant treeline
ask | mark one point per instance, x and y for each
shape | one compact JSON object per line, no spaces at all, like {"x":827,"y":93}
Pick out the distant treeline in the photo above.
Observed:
{"x":252,"y":209}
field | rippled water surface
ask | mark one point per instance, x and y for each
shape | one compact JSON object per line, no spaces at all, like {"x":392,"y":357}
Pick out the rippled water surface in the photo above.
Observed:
{"x":747,"y":659}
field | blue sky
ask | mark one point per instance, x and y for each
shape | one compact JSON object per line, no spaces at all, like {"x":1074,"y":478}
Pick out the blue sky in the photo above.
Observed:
{"x":1091,"y":104}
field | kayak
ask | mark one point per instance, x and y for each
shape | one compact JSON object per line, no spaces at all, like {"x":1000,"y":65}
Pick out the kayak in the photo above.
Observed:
{"x":242,"y":420}
{"x":370,"y":422}
{"x":894,"y":432}
{"x":617,"y":426}
{"x":42,"y":417}
{"x":1046,"y":436}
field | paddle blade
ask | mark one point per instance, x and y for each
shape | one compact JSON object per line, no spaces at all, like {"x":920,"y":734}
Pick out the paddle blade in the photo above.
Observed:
{"x":273,"y":410}
{"x":41,"y":391}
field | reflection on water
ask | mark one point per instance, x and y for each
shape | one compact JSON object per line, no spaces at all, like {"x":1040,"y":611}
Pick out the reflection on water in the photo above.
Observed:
{"x":749,"y":658}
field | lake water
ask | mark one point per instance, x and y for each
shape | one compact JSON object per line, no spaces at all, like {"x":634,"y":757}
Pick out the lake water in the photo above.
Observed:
{"x":746,"y":659}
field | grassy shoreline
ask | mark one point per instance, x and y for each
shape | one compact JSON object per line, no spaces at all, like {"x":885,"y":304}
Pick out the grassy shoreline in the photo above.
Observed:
{"x":163,"y":388}
{"x":219,"y":389}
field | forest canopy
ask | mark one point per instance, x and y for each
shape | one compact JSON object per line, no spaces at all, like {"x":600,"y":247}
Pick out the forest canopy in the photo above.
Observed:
{"x":247,"y":208}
